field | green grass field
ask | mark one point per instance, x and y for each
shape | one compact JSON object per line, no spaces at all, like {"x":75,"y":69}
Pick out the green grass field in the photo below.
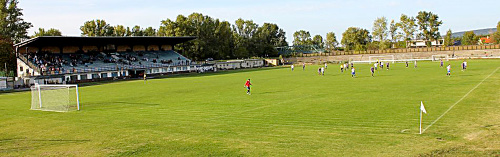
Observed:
{"x":289,"y":113}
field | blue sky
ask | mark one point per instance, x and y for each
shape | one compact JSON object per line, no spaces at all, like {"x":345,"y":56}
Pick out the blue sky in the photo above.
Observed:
{"x":315,"y":16}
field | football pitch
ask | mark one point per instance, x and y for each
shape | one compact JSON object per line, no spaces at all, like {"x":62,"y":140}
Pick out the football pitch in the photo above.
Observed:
{"x":289,"y":113}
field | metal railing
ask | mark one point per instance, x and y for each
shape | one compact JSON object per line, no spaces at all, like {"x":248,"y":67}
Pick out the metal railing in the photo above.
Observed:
{"x":26,"y":61}
{"x":116,"y":67}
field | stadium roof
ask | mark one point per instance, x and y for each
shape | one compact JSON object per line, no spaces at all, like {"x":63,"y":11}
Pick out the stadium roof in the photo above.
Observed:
{"x":101,"y":41}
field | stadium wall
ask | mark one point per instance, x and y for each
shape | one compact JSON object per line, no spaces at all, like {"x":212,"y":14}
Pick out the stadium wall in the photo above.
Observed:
{"x":413,"y":55}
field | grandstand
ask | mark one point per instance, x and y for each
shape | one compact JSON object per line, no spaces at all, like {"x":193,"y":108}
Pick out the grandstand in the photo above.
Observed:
{"x":81,"y":59}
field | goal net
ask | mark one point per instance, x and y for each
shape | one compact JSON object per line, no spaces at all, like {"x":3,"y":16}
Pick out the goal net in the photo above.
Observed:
{"x":440,"y":57}
{"x":385,"y":58}
{"x":59,"y":98}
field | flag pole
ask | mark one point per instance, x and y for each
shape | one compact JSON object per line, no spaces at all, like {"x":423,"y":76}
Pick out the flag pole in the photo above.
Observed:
{"x":420,"y":121}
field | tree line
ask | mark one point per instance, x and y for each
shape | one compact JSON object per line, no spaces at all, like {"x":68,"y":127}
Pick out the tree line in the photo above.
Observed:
{"x":216,"y":38}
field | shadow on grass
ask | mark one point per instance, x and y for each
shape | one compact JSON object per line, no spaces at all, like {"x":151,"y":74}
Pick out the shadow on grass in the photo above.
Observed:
{"x":18,"y":144}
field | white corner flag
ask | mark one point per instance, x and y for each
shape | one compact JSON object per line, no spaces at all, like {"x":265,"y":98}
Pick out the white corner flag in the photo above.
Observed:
{"x":422,"y":109}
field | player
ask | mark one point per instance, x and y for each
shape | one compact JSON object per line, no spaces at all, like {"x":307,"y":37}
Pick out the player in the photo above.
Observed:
{"x":352,"y":65}
{"x":382,"y":65}
{"x":303,"y":66}
{"x":464,"y":65}
{"x":326,"y":65}
{"x":353,"y":72}
{"x":372,"y":69}
{"x":319,"y":71}
{"x":415,"y":64}
{"x":292,"y":67}
{"x":375,"y":65}
{"x":441,"y":65}
{"x":247,"y":85}
{"x":322,"y":71}
{"x":145,"y":78}
{"x":406,"y":64}
{"x":387,"y":65}
{"x":448,"y":70}
{"x":341,"y":68}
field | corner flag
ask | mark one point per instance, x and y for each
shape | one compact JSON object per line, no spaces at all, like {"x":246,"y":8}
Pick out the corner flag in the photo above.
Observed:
{"x":422,"y":108}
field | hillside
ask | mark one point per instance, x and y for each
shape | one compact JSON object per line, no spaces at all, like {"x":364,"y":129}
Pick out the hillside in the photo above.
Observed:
{"x":485,"y":31}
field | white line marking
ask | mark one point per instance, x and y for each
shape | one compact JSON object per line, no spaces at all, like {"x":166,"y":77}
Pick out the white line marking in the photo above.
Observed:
{"x":459,"y":100}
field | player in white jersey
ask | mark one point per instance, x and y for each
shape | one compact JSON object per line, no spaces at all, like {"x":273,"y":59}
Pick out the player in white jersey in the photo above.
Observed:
{"x":353,"y":72}
{"x":448,"y":70}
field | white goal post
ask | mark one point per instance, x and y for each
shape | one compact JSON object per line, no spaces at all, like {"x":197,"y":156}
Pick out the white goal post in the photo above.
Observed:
{"x":387,"y":58}
{"x":439,"y":57}
{"x":58,"y":98}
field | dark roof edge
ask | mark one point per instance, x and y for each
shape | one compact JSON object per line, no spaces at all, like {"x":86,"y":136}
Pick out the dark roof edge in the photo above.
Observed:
{"x":101,"y":37}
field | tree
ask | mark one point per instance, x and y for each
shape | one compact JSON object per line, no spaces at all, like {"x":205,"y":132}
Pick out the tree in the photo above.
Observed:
{"x":13,"y":29}
{"x":96,"y":28}
{"x":429,"y":25}
{"x":448,"y":40}
{"x":119,"y":30}
{"x":496,"y":35}
{"x":128,"y":32}
{"x":355,"y":38}
{"x":302,"y":37}
{"x":244,"y":31}
{"x":393,"y":32}
{"x":269,"y":36}
{"x":380,"y":29}
{"x":167,"y":28}
{"x":12,"y":25}
{"x":408,"y":26}
{"x":331,"y":41}
{"x":137,"y":31}
{"x":50,"y":32}
{"x":318,"y":41}
{"x":7,"y":57}
{"x":469,"y":38}
{"x":150,"y":31}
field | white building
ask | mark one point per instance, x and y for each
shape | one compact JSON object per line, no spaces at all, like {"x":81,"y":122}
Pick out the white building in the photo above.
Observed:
{"x":421,"y":43}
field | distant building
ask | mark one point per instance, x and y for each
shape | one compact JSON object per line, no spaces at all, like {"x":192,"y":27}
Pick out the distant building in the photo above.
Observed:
{"x":421,"y":43}
{"x":486,"y":41}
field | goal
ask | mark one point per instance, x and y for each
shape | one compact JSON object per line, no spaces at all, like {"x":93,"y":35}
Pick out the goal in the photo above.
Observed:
{"x":58,"y":98}
{"x":387,"y":58}
{"x":439,"y":57}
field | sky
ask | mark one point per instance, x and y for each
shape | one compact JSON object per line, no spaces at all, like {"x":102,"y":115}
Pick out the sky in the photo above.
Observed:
{"x":315,"y":16}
